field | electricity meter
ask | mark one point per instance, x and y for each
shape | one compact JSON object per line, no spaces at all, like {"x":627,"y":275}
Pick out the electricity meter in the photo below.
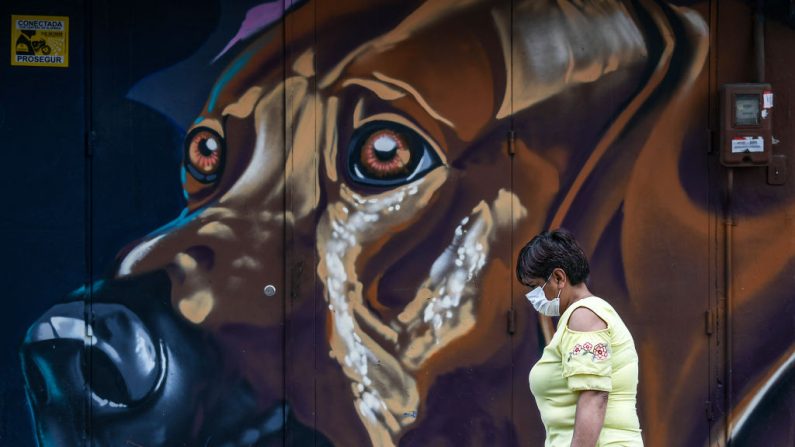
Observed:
{"x":746,"y":131}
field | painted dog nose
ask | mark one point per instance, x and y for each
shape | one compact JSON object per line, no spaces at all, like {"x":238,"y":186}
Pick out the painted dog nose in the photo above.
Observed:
{"x":124,"y":370}
{"x":112,"y":360}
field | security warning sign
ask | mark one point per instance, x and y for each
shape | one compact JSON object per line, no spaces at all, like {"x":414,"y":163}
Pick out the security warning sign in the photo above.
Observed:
{"x":40,"y":41}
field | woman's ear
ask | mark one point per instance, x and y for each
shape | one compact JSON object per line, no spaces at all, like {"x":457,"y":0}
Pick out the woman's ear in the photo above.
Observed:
{"x":559,"y":275}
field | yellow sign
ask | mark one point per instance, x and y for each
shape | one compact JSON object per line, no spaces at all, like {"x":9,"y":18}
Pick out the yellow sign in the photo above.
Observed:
{"x":40,"y":41}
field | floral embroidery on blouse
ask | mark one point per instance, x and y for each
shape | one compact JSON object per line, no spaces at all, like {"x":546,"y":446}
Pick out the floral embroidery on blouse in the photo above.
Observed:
{"x":598,"y":352}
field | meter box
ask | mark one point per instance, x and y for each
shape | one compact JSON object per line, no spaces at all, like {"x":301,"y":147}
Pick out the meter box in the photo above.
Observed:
{"x":746,"y":130}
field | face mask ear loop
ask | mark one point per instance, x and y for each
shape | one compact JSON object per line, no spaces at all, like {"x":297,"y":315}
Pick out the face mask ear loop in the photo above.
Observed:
{"x":547,"y":281}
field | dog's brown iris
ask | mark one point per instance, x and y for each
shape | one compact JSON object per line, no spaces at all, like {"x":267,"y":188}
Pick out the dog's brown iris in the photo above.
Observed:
{"x":204,"y":152}
{"x":385,"y":153}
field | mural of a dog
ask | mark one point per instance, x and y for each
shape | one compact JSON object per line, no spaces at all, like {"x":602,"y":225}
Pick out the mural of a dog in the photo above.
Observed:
{"x":357,"y":184}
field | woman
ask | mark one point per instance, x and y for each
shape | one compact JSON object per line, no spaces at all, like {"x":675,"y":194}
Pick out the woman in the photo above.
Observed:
{"x":586,"y":381}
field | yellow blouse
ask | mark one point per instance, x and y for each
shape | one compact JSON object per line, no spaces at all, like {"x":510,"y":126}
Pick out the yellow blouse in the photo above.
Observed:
{"x":573,"y":361}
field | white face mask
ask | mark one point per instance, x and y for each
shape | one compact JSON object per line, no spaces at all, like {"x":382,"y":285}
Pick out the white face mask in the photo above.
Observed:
{"x":542,"y":304}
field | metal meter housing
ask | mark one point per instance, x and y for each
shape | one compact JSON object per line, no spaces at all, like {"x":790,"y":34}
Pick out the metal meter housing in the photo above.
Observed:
{"x":745,"y":120}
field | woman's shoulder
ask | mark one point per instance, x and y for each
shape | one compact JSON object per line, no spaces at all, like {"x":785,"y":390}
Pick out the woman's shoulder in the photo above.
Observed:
{"x":617,"y":328}
{"x":598,"y":306}
{"x":584,"y":319}
{"x":595,"y":303}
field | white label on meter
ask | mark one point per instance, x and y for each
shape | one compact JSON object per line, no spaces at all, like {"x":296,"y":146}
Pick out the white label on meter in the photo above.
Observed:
{"x":767,"y":99}
{"x":748,"y":144}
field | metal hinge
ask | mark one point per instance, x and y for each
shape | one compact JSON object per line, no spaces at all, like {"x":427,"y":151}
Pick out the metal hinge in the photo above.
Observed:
{"x":91,"y":140}
{"x":709,"y":322}
{"x":511,"y":143}
{"x":295,"y":279}
{"x":712,"y":138}
{"x":511,"y":321}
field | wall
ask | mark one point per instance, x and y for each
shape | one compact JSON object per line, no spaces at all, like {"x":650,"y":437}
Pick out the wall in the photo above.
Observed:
{"x":301,"y":227}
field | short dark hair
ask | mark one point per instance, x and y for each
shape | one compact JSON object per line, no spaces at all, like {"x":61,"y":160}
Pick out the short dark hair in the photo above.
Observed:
{"x":548,"y":251}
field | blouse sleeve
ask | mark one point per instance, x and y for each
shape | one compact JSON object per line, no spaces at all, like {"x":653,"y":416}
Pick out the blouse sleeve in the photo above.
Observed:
{"x":587,"y":360}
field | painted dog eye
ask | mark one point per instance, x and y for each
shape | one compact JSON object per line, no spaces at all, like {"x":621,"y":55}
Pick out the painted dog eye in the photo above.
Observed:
{"x":388,"y":154}
{"x":204,"y":155}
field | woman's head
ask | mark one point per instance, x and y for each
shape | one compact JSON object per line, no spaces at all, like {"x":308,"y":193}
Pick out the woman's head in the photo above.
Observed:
{"x":548,"y":251}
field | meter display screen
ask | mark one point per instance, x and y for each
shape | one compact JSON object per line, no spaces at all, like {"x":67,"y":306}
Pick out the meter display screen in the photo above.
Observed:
{"x":746,"y":110}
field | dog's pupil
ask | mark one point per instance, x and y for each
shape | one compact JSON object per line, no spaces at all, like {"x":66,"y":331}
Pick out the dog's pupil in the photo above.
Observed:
{"x":207,"y":147}
{"x":385,"y":148}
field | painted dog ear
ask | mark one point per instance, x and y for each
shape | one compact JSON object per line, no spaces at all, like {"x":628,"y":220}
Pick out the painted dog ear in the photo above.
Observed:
{"x":558,"y":44}
{"x":257,"y":19}
{"x":179,"y":91}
